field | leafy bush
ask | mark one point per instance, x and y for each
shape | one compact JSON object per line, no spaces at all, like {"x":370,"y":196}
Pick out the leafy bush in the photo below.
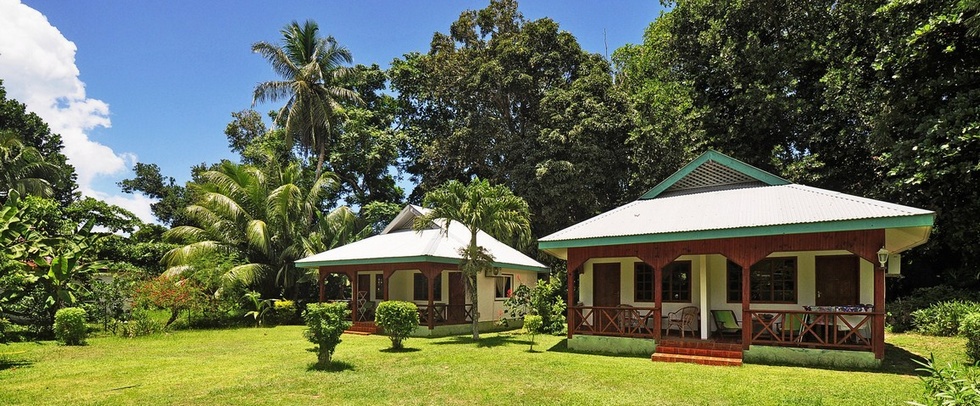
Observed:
{"x":398,"y":320}
{"x":259,"y":308}
{"x":943,"y":319}
{"x":140,"y":324}
{"x":970,"y":328}
{"x":900,"y":311}
{"x":953,"y":385}
{"x":546,"y":299}
{"x":166,"y":293}
{"x":5,"y":326}
{"x":532,"y":324}
{"x":284,"y":312}
{"x":325,"y":322}
{"x":69,"y":326}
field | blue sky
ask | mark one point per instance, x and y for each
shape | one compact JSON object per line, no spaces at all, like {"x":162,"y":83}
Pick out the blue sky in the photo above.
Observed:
{"x":156,"y":82}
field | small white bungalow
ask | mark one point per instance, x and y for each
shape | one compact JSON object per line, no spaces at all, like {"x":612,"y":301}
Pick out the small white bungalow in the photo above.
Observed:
{"x":423,"y":267}
{"x":724,"y":247}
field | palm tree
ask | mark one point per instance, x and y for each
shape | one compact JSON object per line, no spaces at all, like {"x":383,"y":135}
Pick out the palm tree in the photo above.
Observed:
{"x":312,"y":82}
{"x":23,"y":168}
{"x":478,"y":206}
{"x":259,"y":216}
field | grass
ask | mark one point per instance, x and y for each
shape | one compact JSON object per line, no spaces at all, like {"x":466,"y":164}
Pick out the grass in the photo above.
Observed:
{"x":272,"y":366}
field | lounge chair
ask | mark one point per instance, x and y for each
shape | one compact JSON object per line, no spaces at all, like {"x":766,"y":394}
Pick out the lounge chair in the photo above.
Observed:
{"x":726,"y":323}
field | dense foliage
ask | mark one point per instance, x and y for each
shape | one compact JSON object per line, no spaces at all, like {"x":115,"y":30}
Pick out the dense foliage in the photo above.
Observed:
{"x":398,"y":320}
{"x":325,"y":323}
{"x":69,"y":326}
{"x":970,"y":328}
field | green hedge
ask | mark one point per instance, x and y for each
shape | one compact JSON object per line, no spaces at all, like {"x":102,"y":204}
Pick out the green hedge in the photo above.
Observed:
{"x":69,"y":326}
{"x":398,"y":320}
{"x":970,"y":328}
{"x":943,"y":319}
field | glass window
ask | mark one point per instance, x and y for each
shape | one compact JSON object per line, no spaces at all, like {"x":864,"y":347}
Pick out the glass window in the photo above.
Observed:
{"x":422,"y":288}
{"x":642,"y":282}
{"x":503,"y":286}
{"x":772,"y":280}
{"x":677,"y":282}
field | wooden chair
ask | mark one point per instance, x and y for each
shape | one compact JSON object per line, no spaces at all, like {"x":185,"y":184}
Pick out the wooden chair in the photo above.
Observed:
{"x":685,"y":317}
{"x":726,"y":323}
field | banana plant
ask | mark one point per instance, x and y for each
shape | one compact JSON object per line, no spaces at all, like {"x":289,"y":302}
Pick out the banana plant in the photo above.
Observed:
{"x":259,"y":307}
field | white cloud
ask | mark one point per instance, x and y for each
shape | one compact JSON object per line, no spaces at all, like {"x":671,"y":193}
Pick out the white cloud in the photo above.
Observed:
{"x":37,"y":65}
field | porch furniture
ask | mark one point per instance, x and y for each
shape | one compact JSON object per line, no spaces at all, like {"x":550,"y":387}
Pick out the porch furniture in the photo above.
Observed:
{"x":685,"y":317}
{"x":792,"y":327}
{"x":725,"y":322}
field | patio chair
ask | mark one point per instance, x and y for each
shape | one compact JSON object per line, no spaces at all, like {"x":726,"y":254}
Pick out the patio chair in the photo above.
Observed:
{"x":726,"y":323}
{"x":683,"y":318}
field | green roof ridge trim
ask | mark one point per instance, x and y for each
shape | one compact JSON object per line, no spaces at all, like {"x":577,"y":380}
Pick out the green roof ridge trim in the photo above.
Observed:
{"x":921,"y":220}
{"x":711,"y":155}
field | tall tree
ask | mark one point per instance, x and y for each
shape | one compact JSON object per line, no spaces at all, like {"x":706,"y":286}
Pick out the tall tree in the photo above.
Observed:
{"x":172,"y":198}
{"x":518,"y":103}
{"x":258,"y":216}
{"x":24,"y":169}
{"x":479,"y":206}
{"x":312,"y":75}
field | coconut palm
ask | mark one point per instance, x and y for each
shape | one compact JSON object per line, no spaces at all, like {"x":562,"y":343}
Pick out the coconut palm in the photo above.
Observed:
{"x":312,"y":84}
{"x":478,"y":206}
{"x":23,"y":168}
{"x":259,"y":216}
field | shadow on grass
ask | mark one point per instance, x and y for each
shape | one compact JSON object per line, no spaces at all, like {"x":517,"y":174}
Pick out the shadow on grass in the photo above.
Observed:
{"x":484,"y":341}
{"x":562,"y":346}
{"x":333,"y":366}
{"x":399,"y":350}
{"x":7,"y":363}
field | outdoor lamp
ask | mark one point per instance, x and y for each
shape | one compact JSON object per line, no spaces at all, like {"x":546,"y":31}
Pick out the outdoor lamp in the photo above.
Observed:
{"x":883,"y":256}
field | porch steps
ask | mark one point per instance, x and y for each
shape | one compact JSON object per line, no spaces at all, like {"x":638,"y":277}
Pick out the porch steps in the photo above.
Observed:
{"x":362,"y":328}
{"x":698,"y":352}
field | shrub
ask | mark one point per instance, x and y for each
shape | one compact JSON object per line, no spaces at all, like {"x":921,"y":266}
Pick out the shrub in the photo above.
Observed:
{"x":69,"y":326}
{"x":547,"y":300}
{"x":953,"y":385}
{"x":165,"y":293}
{"x":398,"y":320}
{"x":140,"y":324}
{"x":943,"y":319}
{"x":259,"y":308}
{"x":970,"y":328}
{"x":326,"y":322}
{"x":5,"y":327}
{"x":284,"y":312}
{"x":532,"y":324}
{"x":900,"y":311}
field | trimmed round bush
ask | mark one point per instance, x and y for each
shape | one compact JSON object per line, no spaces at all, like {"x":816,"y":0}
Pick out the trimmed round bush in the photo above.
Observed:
{"x":69,"y":326}
{"x":284,"y":312}
{"x":970,"y":328}
{"x":326,"y":322}
{"x":398,"y":320}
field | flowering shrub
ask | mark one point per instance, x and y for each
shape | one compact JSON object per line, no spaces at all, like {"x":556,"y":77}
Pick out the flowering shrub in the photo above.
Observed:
{"x":166,"y":293}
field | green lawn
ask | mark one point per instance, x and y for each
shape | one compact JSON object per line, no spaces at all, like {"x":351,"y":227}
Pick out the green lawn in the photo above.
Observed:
{"x":273,"y":366}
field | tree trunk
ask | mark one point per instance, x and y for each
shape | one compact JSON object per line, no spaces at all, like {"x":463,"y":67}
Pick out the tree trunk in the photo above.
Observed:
{"x":321,"y":155}
{"x":173,"y":317}
{"x":474,"y":299}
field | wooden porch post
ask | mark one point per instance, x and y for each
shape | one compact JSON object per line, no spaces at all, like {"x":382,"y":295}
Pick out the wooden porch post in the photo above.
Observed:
{"x":385,"y":277}
{"x":573,"y":266}
{"x":658,"y":299}
{"x":430,"y":276}
{"x":878,"y":341}
{"x":746,"y":316}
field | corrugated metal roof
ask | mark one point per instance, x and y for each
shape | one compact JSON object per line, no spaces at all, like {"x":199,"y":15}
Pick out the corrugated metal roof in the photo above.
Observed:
{"x":731,"y":209}
{"x":399,"y":242}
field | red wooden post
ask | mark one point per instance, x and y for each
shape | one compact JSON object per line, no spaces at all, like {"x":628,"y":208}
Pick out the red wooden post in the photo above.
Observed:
{"x":430,"y":276}
{"x":352,"y":276}
{"x":878,"y":342}
{"x":570,"y":275}
{"x":658,"y":298}
{"x":746,"y":316}
{"x":385,"y":278}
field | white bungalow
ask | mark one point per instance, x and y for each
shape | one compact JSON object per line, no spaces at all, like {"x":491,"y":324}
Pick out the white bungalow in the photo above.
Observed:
{"x":676,"y":262}
{"x":423,"y":267}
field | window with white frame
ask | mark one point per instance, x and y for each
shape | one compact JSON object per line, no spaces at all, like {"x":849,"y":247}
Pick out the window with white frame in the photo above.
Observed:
{"x":503,"y":286}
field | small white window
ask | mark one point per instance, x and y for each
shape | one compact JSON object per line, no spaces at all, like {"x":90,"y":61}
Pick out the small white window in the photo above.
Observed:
{"x":503,"y":286}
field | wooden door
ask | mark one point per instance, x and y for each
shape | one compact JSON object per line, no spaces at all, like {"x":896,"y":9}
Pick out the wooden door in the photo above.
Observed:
{"x":838,"y":281}
{"x":605,"y":293}
{"x":457,"y":298}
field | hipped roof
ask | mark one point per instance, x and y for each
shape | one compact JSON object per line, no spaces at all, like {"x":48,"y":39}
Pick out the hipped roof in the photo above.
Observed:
{"x":398,"y":243}
{"x":716,"y":196}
